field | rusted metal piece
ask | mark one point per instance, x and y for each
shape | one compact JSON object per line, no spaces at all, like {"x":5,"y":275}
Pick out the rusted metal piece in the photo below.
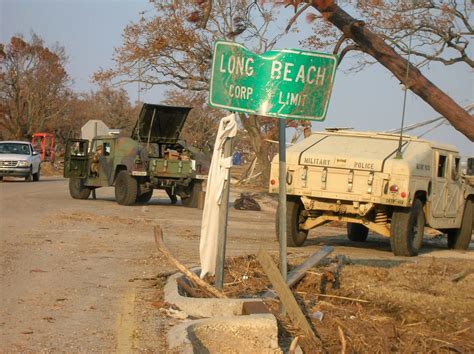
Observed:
{"x":256,"y":307}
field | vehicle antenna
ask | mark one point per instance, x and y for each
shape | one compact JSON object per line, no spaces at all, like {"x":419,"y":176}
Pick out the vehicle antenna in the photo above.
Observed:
{"x":399,"y":154}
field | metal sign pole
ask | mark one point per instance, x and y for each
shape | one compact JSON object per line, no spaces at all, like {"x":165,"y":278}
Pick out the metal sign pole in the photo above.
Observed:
{"x":223,"y":212}
{"x":282,"y":195}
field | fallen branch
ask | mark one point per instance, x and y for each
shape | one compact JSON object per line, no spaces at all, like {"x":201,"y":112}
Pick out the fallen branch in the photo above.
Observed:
{"x":344,"y":298}
{"x":190,"y":275}
{"x":343,"y":340}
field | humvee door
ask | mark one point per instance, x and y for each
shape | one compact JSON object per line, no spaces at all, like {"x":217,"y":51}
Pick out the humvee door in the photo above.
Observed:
{"x":76,"y":158}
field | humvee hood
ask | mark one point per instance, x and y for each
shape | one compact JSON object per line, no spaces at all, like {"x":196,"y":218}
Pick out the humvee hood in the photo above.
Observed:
{"x":353,"y":152}
{"x":162,"y":124}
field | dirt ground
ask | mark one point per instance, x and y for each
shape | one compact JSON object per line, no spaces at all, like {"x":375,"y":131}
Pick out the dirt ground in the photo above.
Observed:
{"x":80,"y":275}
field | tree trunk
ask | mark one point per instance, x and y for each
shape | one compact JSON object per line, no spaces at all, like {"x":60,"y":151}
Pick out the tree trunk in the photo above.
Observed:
{"x":373,"y":45}
{"x":259,"y":146}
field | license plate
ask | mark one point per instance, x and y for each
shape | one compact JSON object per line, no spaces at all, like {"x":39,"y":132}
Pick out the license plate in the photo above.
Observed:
{"x":139,"y":173}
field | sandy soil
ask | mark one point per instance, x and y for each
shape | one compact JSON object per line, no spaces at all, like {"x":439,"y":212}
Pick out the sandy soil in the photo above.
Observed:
{"x":80,"y":275}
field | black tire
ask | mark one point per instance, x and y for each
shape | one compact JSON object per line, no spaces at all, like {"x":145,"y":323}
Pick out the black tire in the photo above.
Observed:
{"x":36,"y":176}
{"x":77,"y":190}
{"x":173,"y":197}
{"x":29,"y":178}
{"x":194,"y":191}
{"x":126,"y":188}
{"x":407,"y":229}
{"x":459,"y":239}
{"x":357,"y":232}
{"x":145,"y":197}
{"x":294,"y":236}
{"x":1,"y":178}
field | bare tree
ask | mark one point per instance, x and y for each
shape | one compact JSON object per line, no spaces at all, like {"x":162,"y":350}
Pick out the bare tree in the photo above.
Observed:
{"x":33,"y":85}
{"x":175,"y":48}
{"x":366,"y":41}
{"x":430,"y":31}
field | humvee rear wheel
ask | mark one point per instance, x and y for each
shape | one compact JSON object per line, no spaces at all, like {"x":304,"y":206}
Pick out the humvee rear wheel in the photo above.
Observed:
{"x":126,"y":188}
{"x":407,"y":229}
{"x":77,"y":190}
{"x":145,"y":197}
{"x":357,"y":232}
{"x":459,"y":239}
{"x":295,"y":237}
{"x":194,"y":190}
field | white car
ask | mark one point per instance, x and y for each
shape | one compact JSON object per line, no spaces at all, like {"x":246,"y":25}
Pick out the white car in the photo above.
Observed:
{"x":19,"y":159}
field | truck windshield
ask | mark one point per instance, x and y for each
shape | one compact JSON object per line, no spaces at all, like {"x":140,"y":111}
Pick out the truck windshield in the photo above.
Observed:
{"x":14,"y":148}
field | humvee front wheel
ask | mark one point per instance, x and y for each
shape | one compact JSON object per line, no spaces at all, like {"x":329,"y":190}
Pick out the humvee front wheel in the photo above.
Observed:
{"x":295,"y":237}
{"x":77,"y":190}
{"x":357,"y":232}
{"x":126,"y":188}
{"x":407,"y":229}
{"x":194,"y":191}
{"x":145,"y":197}
{"x":459,"y":239}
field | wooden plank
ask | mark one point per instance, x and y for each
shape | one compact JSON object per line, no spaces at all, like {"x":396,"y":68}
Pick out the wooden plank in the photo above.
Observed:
{"x":190,"y":275}
{"x":296,"y":274}
{"x":310,"y":343}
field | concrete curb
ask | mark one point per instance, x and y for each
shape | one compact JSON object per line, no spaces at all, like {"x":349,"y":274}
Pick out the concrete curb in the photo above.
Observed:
{"x":237,"y":334}
{"x":224,"y":328}
{"x":202,"y":307}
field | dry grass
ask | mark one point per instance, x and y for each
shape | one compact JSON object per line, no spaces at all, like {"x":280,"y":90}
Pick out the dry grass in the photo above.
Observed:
{"x":411,"y":306}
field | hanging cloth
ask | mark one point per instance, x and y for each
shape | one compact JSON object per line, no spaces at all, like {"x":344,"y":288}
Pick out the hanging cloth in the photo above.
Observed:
{"x":218,"y":173}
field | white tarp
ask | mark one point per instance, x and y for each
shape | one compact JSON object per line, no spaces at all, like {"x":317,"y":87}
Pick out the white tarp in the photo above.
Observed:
{"x":218,"y":173}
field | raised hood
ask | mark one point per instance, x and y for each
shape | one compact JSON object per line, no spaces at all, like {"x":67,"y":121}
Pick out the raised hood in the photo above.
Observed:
{"x":162,"y":124}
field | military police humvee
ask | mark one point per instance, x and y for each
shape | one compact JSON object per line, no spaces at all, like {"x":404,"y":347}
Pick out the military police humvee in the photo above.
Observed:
{"x":359,"y":178}
{"x":152,"y":158}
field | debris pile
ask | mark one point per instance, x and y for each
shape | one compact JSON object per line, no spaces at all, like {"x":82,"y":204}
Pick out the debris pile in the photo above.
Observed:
{"x":358,"y":306}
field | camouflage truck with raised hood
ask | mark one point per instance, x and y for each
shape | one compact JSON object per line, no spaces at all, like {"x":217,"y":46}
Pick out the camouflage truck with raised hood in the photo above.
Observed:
{"x":152,"y":158}
{"x":359,"y":178}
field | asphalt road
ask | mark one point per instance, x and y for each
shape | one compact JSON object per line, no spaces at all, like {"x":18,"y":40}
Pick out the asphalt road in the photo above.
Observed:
{"x":66,"y":264}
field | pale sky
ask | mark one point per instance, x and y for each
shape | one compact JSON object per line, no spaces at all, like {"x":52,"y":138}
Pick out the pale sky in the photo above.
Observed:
{"x":368,"y":100}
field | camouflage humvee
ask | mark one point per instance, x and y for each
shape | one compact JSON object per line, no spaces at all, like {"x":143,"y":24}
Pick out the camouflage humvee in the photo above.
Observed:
{"x":359,"y":178}
{"x":151,"y":159}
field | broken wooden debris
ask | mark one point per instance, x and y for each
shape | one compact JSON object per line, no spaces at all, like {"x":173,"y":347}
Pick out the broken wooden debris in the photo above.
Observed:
{"x":205,"y":287}
{"x":299,"y":272}
{"x":461,"y":275}
{"x":333,"y":274}
{"x":309,"y":341}
{"x":294,"y":345}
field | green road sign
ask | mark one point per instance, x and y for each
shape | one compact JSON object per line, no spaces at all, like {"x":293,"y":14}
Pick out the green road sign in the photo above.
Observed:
{"x":285,"y":83}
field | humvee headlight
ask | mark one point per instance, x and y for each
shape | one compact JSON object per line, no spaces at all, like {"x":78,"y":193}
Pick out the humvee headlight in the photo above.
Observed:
{"x":23,"y":163}
{"x":393,"y":188}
